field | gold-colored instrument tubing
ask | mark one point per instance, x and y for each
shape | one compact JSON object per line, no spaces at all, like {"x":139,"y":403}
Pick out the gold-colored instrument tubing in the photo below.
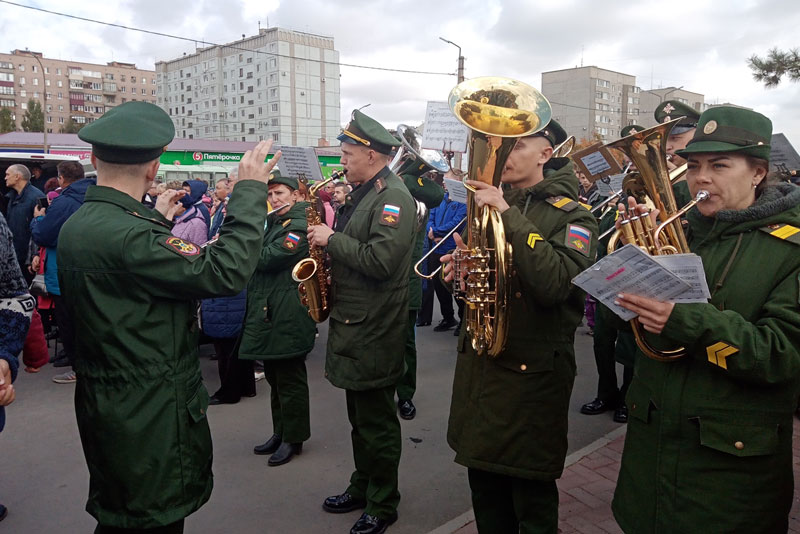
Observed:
{"x":497,"y":111}
{"x":647,"y":150}
{"x":312,"y":273}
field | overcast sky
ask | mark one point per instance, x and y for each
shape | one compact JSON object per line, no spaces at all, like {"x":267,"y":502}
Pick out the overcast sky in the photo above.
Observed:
{"x":698,"y":44}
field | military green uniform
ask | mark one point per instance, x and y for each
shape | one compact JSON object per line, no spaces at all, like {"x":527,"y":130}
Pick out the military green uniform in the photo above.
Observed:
{"x":508,"y":415}
{"x":140,"y":400}
{"x":131,"y":288}
{"x":366,"y":340}
{"x":709,"y":443}
{"x":430,"y":194}
{"x":277,"y":327}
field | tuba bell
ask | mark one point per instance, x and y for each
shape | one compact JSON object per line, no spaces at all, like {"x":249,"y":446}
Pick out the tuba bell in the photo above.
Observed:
{"x":647,"y":150}
{"x":498,"y":111}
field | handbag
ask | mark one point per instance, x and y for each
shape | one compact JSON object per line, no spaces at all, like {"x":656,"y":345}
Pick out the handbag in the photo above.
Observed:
{"x":38,"y":288}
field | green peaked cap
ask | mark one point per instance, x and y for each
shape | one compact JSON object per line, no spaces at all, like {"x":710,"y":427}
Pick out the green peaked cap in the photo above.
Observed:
{"x":731,"y":129}
{"x":674,"y":109}
{"x":366,"y":131}
{"x":275,"y":177}
{"x":134,"y":132}
{"x":628,"y":130}
{"x":553,"y":132}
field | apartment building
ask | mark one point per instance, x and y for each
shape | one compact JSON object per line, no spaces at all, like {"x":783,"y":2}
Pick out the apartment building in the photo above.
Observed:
{"x":590,"y":101}
{"x":69,"y":89}
{"x":280,"y":84}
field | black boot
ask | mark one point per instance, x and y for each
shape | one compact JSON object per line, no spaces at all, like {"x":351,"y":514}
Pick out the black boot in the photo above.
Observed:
{"x":269,"y":447}
{"x":285,"y":453}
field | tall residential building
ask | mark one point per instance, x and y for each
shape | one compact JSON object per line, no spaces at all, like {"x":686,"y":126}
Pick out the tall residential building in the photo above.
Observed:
{"x":590,"y":101}
{"x":76,"y":90}
{"x":279,"y":84}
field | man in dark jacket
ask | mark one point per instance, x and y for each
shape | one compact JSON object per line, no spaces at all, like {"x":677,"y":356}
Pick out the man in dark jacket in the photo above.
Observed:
{"x":45,"y":228}
{"x":508,"y":416}
{"x":21,"y":200}
{"x":441,"y":221}
{"x":132,"y":289}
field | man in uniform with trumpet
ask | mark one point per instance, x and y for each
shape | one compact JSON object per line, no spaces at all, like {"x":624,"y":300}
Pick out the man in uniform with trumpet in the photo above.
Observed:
{"x":370,"y":253}
{"x":508,"y":416}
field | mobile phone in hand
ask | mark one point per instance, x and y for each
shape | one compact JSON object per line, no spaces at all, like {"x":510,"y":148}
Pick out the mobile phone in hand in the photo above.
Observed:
{"x":43,"y":203}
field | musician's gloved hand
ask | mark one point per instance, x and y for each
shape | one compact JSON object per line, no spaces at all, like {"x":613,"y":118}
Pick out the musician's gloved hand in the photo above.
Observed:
{"x":318,"y":235}
{"x":488,"y":195}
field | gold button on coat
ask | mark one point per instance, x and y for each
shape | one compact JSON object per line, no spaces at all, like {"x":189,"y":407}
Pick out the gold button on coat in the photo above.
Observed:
{"x":739,"y":445}
{"x":518,"y":294}
{"x":523,"y":367}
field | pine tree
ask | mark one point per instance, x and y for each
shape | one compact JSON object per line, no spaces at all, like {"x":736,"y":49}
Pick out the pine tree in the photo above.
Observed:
{"x":777,"y":64}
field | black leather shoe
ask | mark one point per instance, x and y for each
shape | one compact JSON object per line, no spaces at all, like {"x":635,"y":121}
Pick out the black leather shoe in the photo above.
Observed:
{"x":285,"y":453}
{"x":423,"y":323}
{"x":621,"y":414}
{"x":445,"y":325}
{"x":341,"y":504}
{"x":406,"y":409}
{"x":597,"y":406}
{"x":214,"y":401}
{"x":369,"y":524}
{"x":269,"y":447}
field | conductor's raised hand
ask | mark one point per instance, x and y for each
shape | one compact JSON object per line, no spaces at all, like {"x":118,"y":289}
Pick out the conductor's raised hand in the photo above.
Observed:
{"x":253,"y":165}
{"x":168,"y":202}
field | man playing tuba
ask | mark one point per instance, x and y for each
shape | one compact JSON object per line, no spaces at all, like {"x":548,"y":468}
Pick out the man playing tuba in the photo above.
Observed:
{"x":508,"y":416}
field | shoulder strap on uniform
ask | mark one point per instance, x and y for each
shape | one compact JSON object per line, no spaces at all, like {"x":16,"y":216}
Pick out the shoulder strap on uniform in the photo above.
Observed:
{"x":380,"y":185}
{"x":787,"y":232}
{"x":562,"y":203}
{"x":146,"y":218}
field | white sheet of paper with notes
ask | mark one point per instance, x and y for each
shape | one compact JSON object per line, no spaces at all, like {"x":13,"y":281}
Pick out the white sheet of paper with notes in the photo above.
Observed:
{"x":678,"y":278}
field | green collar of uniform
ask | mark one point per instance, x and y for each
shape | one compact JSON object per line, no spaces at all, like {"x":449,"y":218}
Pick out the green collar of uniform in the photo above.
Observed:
{"x":101,"y":193}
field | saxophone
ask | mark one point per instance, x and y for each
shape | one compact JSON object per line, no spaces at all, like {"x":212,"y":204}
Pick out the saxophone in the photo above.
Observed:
{"x":312,"y":273}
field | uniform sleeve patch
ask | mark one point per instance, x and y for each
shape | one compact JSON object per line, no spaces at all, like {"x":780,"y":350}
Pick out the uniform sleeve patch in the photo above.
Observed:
{"x":390,"y":215}
{"x":182,"y":247}
{"x":291,"y":241}
{"x":719,"y":352}
{"x":579,"y":238}
{"x":532,"y":239}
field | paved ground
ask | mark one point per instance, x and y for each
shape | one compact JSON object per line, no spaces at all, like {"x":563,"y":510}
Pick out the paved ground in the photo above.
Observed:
{"x":44,"y":481}
{"x":587,"y":487}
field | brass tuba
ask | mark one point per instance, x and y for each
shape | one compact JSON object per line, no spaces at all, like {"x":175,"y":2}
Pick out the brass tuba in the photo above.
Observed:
{"x":498,"y":111}
{"x":647,"y":150}
{"x":312,"y":273}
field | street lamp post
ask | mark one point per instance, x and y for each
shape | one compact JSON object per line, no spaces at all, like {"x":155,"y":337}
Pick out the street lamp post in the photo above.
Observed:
{"x":44,"y":108}
{"x":460,"y":79}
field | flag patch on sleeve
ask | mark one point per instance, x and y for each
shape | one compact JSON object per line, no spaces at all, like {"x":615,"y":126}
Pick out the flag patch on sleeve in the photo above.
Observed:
{"x":579,"y":238}
{"x":291,"y":241}
{"x":390,"y":215}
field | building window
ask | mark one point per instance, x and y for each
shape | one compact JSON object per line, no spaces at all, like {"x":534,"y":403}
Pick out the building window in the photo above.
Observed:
{"x":22,"y":80}
{"x":22,"y":68}
{"x":274,"y":107}
{"x":276,"y":137}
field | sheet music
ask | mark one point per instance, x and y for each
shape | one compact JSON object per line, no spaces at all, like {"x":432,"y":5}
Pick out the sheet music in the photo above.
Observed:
{"x":630,"y":270}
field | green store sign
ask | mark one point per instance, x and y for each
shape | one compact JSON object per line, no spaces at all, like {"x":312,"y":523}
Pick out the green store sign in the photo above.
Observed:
{"x":328,"y":164}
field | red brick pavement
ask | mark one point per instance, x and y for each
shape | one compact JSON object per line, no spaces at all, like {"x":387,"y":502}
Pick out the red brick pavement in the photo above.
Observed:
{"x":587,"y":486}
